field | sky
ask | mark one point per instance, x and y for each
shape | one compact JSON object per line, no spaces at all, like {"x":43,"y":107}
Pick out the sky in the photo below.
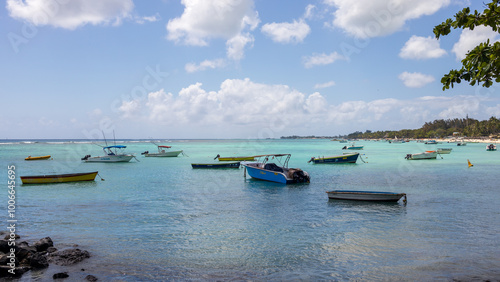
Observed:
{"x":196,"y":69}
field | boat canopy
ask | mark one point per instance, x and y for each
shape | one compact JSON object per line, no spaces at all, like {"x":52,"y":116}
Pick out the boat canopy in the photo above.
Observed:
{"x":115,"y":146}
{"x":272,"y":155}
{"x":164,"y":146}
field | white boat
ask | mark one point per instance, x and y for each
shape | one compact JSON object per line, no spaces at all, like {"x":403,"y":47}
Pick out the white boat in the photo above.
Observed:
{"x":365,"y":196}
{"x":162,"y":152}
{"x":422,"y":156}
{"x":461,"y":143}
{"x":113,"y":154}
{"x":491,"y":147}
{"x":265,"y":170}
{"x":444,"y":150}
{"x":353,"y":147}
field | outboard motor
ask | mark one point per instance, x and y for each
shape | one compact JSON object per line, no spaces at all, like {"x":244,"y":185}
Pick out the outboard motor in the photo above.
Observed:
{"x":345,"y":147}
{"x":86,"y":158}
{"x":300,"y":177}
{"x":408,"y":156}
{"x":143,"y":153}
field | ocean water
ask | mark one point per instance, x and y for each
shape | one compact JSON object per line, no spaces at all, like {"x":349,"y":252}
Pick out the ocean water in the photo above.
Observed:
{"x":159,"y":219}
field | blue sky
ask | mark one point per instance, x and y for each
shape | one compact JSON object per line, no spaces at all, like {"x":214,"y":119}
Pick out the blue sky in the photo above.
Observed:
{"x":231,"y":68}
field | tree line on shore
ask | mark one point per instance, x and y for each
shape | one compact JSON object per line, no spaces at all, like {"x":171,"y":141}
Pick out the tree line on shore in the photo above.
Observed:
{"x":440,"y":128}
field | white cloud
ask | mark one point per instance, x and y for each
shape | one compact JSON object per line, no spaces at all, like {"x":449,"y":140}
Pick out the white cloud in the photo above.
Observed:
{"x":471,"y":38}
{"x":207,"y":64}
{"x":324,"y":85}
{"x":451,"y":107}
{"x":141,"y":20}
{"x":308,"y":14}
{"x":70,"y":14}
{"x":374,"y":18}
{"x":206,"y":19}
{"x":236,"y":46}
{"x":418,"y":47}
{"x":250,"y":106}
{"x":203,"y":20}
{"x":415,"y":79}
{"x":322,"y":59}
{"x":130,"y":108}
{"x":287,"y":32}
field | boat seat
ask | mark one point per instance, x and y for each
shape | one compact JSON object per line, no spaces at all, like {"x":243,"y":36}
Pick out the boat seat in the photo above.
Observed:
{"x":273,"y":167}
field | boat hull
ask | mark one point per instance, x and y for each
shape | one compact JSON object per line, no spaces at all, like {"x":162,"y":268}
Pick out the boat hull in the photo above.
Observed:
{"x":275,"y":176}
{"x":165,"y":154}
{"x":443,"y":151}
{"x":225,"y":159}
{"x":217,"y":165}
{"x":30,"y":158}
{"x":267,"y":175}
{"x":59,"y":178}
{"x":422,"y":156}
{"x":340,"y":159}
{"x":365,"y":196}
{"x":110,"y":159}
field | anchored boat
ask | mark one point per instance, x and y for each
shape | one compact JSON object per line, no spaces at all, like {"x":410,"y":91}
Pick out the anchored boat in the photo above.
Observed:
{"x":353,"y":147}
{"x":444,"y":150}
{"x":232,"y":159}
{"x":30,"y":158}
{"x":422,"y":156}
{"x":365,"y":196}
{"x":340,"y":159}
{"x":263,"y":169}
{"x":113,"y":154}
{"x":491,"y":147}
{"x":59,"y":178}
{"x":216,"y":165}
{"x":162,"y":152}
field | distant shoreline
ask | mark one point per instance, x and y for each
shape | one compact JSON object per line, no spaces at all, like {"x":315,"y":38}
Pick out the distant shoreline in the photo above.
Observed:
{"x":440,"y":140}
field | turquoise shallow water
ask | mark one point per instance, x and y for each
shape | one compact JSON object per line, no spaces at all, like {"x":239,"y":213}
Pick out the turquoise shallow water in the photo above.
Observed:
{"x":160,"y":219}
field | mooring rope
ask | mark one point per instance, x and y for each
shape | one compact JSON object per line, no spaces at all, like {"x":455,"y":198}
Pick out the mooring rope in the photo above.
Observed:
{"x":102,"y":179}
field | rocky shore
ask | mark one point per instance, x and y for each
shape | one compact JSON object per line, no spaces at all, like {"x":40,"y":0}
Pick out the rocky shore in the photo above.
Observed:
{"x":18,"y":257}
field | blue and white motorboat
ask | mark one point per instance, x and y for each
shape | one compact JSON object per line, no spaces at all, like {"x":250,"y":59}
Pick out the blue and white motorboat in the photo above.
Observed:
{"x":263,"y":169}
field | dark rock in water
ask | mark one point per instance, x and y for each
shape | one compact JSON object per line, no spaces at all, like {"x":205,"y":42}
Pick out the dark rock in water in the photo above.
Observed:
{"x":4,"y":259}
{"x":39,"y":260}
{"x":68,"y":256}
{"x":51,"y":249}
{"x":43,"y":244}
{"x":22,"y":253}
{"x":60,"y":275}
{"x":91,"y":278}
{"x":4,"y":246}
{"x":7,"y":237}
